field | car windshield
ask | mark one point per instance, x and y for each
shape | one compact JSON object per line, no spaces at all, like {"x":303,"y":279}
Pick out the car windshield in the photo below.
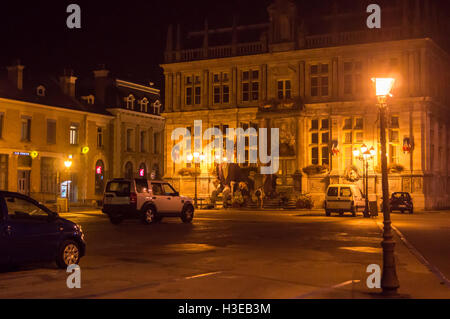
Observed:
{"x":119,"y":187}
{"x":141,"y":185}
{"x":400,"y":196}
{"x":333,"y":191}
{"x":346,"y":191}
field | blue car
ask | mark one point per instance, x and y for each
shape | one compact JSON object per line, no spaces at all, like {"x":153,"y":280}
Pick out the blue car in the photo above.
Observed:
{"x":30,"y":232}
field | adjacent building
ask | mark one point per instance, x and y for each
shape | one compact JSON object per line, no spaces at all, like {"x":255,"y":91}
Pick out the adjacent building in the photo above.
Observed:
{"x":309,"y":74}
{"x":63,"y":137}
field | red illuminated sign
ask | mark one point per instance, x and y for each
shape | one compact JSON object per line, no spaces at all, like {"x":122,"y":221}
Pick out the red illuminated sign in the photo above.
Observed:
{"x":142,"y":172}
{"x":99,"y":170}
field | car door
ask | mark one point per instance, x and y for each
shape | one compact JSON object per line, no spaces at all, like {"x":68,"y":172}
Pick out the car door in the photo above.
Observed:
{"x":345,"y":197}
{"x":33,"y":234}
{"x":5,"y":232}
{"x":159,"y":198}
{"x":173,"y":200}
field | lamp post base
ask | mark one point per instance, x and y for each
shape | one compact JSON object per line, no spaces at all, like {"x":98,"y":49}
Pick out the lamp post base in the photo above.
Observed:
{"x":389,"y":281}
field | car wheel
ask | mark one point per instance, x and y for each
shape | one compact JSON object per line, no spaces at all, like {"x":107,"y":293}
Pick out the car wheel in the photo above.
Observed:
{"x":327,"y":212}
{"x":187,"y":215}
{"x":149,"y":216}
{"x":115,"y":219}
{"x":68,"y":254}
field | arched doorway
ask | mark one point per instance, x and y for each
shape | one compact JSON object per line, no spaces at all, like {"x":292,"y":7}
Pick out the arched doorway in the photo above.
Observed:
{"x":143,"y":170}
{"x":129,"y":174}
{"x":99,"y":177}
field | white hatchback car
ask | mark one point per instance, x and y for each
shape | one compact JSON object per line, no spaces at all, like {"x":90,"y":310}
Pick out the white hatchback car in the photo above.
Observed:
{"x":342,"y":198}
{"x":148,"y":200}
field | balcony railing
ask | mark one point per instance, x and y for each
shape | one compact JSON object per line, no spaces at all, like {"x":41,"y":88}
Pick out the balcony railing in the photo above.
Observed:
{"x":311,"y":42}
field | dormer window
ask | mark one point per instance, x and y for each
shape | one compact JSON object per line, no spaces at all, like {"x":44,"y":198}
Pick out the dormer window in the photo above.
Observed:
{"x":144,"y":105}
{"x":40,"y":90}
{"x":157,"y":107}
{"x":90,"y":99}
{"x":130,"y":102}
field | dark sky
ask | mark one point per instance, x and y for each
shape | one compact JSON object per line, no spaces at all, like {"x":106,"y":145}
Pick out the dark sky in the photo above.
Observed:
{"x":129,"y":36}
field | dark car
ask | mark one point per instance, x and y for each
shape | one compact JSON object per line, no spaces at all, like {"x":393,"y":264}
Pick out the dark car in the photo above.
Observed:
{"x":401,"y":201}
{"x":30,"y":232}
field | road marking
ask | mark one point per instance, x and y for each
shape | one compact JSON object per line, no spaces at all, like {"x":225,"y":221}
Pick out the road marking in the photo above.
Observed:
{"x":203,"y":275}
{"x":315,"y":292}
{"x":419,"y":256}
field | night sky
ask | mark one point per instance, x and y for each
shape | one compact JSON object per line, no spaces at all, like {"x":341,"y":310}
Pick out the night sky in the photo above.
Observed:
{"x":129,"y":37}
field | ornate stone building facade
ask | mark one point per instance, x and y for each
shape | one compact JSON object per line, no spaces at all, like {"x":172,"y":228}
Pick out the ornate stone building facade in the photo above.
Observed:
{"x":316,"y":88}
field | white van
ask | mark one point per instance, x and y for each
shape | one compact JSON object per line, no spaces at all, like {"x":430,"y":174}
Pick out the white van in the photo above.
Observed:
{"x":342,"y":198}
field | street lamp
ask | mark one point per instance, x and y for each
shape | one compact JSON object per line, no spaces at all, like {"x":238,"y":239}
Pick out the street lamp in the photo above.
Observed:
{"x":68,"y":165}
{"x":389,"y":280}
{"x":196,"y":157}
{"x":364,"y":155}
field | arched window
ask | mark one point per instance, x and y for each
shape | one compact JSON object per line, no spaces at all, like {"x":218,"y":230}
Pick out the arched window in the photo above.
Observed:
{"x":144,"y":105}
{"x":129,"y":170}
{"x":40,"y":90}
{"x":143,"y":170}
{"x":130,"y":102}
{"x":99,"y":177}
{"x":156,"y":107}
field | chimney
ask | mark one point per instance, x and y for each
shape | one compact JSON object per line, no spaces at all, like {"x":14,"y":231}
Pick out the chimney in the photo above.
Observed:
{"x":101,"y":83}
{"x":67,"y":82}
{"x":15,"y":74}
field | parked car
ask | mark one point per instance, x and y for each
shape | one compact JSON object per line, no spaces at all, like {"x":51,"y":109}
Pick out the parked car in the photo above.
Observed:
{"x":342,"y":198}
{"x":30,"y":232}
{"x":401,"y":201}
{"x":147,"y":200}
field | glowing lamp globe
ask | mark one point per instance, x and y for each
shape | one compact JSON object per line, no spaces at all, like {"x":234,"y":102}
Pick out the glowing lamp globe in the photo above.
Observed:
{"x":383,"y":86}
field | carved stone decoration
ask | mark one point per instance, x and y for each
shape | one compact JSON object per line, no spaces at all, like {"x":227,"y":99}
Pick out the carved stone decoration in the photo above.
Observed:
{"x":287,"y":136}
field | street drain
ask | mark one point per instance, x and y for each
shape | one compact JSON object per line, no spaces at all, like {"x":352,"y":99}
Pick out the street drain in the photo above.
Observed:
{"x":369,"y":250}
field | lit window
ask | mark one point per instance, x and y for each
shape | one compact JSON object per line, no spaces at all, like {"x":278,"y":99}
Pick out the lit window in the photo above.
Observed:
{"x":319,"y":142}
{"x":73,"y":134}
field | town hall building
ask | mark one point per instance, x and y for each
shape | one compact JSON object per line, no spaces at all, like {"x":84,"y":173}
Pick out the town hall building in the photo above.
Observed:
{"x":310,"y":76}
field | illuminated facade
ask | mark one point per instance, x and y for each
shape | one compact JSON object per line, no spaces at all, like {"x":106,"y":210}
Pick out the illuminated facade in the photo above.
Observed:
{"x":316,"y":88}
{"x":58,"y":139}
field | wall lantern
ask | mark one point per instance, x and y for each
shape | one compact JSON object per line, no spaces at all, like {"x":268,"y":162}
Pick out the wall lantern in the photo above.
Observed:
{"x":34,"y":154}
{"x":85,"y":150}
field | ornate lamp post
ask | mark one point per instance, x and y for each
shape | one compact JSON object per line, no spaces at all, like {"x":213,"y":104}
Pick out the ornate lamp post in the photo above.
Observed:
{"x":68,"y":165}
{"x":200,"y":158}
{"x":389,"y":280}
{"x":364,"y":155}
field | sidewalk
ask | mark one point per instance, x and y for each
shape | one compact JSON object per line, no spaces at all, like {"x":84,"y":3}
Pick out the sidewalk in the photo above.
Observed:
{"x":416,"y":280}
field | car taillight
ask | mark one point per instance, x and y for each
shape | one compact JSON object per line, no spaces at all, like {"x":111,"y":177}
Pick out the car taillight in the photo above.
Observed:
{"x":133,"y":198}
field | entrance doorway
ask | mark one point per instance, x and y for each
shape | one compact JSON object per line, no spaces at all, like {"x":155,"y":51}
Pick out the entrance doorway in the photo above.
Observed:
{"x":23,"y":182}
